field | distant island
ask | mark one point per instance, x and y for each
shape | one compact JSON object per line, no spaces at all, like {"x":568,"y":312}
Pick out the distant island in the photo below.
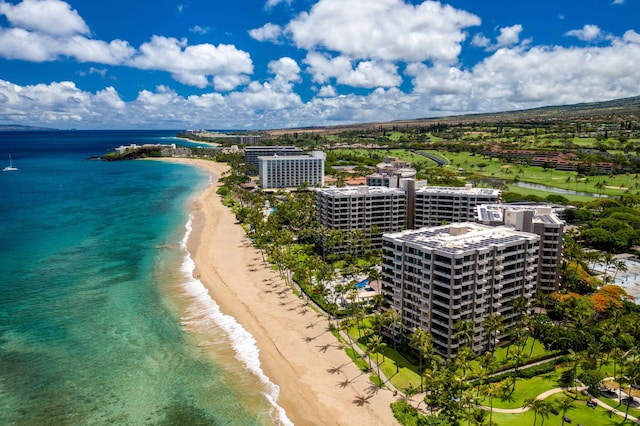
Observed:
{"x":20,"y":128}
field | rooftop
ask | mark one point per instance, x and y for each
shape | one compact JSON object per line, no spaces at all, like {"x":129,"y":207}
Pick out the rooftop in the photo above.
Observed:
{"x":461,"y":237}
{"x":358,"y":191}
{"x":495,"y":212}
{"x":468,"y":189}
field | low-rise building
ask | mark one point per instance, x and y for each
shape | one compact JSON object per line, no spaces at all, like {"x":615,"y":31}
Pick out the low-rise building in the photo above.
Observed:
{"x":390,"y":172}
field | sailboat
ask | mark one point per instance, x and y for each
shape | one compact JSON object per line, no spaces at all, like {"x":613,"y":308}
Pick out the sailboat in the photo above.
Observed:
{"x":10,"y":167}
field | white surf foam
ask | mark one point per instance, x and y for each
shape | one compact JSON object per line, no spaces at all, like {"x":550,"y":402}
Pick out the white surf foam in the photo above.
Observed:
{"x":242,"y":341}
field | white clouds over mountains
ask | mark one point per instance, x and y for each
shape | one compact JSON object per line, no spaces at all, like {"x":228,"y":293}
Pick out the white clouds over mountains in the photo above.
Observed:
{"x":361,"y":60}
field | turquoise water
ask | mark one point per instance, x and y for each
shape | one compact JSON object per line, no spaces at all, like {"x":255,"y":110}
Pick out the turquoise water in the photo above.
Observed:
{"x":100,"y":321}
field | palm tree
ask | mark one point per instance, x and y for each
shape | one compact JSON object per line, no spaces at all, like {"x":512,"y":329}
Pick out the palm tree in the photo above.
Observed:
{"x":376,"y":345}
{"x":394,"y":319}
{"x":421,"y":341}
{"x":621,"y":266}
{"x":345,"y":326}
{"x":574,"y":359}
{"x":565,"y":404}
{"x":464,"y":331}
{"x":633,"y":378}
{"x":492,"y":325}
{"x":464,"y":355}
{"x":519,"y":355}
{"x":468,"y":401}
{"x":490,"y":391}
{"x":538,"y":406}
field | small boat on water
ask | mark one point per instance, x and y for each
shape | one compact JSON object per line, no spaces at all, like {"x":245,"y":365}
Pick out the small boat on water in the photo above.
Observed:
{"x":10,"y":167}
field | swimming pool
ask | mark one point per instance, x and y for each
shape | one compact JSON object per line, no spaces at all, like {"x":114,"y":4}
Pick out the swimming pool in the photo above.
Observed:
{"x":362,"y":284}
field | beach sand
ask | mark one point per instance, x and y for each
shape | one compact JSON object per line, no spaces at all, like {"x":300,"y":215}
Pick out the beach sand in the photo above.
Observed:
{"x":319,"y":385}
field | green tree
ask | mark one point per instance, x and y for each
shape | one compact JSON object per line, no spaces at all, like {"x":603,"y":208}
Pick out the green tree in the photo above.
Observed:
{"x":492,"y":325}
{"x":565,"y":404}
{"x":540,"y":408}
{"x":375,"y":345}
{"x":394,"y":320}
{"x":420,"y":340}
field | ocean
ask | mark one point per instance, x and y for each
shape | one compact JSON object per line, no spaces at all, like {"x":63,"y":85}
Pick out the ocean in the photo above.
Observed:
{"x":100,"y":319}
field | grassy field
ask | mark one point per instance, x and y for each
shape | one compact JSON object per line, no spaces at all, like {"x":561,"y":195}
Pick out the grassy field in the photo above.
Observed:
{"x":477,"y":165}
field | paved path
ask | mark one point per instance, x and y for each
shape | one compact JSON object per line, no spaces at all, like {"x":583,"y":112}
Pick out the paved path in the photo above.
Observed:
{"x":550,"y":392}
{"x":543,"y":395}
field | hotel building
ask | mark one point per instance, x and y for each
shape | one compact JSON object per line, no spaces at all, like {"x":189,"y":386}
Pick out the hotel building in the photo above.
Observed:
{"x":436,"y":205}
{"x":363,"y":208}
{"x":540,"y":220}
{"x":291,"y":171}
{"x":438,"y":276}
{"x":251,"y":153}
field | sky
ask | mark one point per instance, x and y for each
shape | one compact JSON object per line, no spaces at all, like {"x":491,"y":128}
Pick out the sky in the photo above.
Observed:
{"x":269,"y":64}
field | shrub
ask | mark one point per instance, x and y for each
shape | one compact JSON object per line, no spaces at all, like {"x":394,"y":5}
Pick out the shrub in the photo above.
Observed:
{"x":405,"y":414}
{"x":591,"y":379}
{"x":568,"y":377}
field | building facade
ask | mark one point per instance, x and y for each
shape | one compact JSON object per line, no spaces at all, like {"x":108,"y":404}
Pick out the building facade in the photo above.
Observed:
{"x":251,"y":153}
{"x":438,"y":276}
{"x":372,"y":210}
{"x":540,"y":220}
{"x":291,"y":171}
{"x":435,"y":205}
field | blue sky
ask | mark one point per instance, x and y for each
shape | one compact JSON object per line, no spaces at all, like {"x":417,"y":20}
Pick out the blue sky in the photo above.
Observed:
{"x":264,"y":64}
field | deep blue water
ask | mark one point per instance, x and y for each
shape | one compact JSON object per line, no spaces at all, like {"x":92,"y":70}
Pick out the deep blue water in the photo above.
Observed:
{"x":92,"y":311}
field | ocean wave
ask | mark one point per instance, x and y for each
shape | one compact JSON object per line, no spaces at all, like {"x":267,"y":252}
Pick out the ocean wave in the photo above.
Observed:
{"x":242,"y":341}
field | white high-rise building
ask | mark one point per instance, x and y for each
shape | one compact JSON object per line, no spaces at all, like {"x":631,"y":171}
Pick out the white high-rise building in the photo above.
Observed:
{"x":251,"y":153}
{"x":438,"y":276}
{"x":291,"y":171}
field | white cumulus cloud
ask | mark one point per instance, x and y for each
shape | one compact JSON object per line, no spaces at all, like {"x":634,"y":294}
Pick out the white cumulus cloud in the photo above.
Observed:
{"x":586,"y":33}
{"x":386,"y":30}
{"x":509,"y":35}
{"x":268,"y":32}
{"x":368,"y":74}
{"x":195,"y":64}
{"x":53,"y":17}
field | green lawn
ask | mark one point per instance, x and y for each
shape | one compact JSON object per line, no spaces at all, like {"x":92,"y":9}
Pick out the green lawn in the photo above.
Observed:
{"x":582,"y":414}
{"x":525,"y":389}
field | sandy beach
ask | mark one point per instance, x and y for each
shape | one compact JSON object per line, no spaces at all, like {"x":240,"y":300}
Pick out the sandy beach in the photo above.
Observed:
{"x":319,"y":385}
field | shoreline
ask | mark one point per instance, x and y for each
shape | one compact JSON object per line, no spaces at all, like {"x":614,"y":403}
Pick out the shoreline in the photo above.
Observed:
{"x":318,"y":382}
